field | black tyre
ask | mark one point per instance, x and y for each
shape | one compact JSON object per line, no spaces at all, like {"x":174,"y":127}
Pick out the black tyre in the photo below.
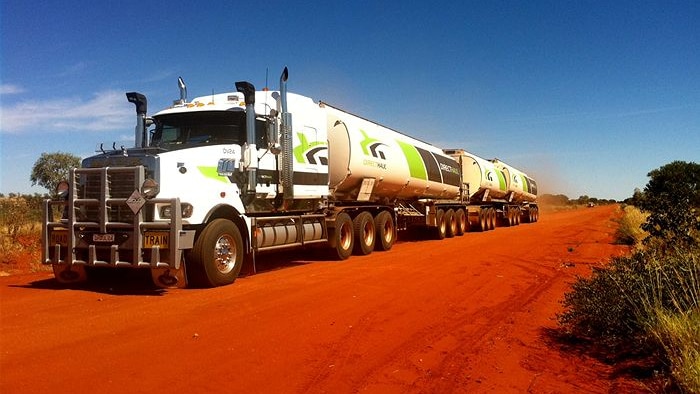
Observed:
{"x":217,"y":256}
{"x":511,"y":217}
{"x":462,"y":222}
{"x":483,"y":220}
{"x":365,"y":234}
{"x":491,"y":218}
{"x":342,"y":236}
{"x":451,"y":223}
{"x":441,"y":230}
{"x":385,"y":231}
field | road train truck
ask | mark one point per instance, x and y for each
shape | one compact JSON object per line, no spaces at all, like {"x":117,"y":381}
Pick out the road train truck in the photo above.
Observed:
{"x":210,"y":183}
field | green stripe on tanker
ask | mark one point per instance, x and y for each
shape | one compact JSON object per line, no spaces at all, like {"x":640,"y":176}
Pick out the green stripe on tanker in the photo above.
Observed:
{"x":502,"y":180}
{"x":525,"y":184}
{"x":414,"y":160}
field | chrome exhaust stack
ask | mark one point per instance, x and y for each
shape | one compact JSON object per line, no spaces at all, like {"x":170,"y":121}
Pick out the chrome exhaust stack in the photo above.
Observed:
{"x":287,"y":155}
{"x":250,"y":153}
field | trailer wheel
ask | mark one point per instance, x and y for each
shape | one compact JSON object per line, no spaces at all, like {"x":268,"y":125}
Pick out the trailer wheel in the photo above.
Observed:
{"x":491,"y":218}
{"x":385,"y":230}
{"x":518,"y":215}
{"x":451,"y":223}
{"x":511,"y":217}
{"x":462,"y":222}
{"x":217,"y":255}
{"x":483,"y":220}
{"x":363,"y":225}
{"x":342,"y":236}
{"x":440,"y":221}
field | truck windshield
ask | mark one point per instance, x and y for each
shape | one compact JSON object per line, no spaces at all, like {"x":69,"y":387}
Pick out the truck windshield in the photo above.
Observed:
{"x":185,"y":130}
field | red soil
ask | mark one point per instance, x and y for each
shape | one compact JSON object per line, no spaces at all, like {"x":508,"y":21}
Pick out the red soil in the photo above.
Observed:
{"x":467,"y":314}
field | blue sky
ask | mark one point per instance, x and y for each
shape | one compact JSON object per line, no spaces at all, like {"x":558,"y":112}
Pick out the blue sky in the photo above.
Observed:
{"x":585,"y":96}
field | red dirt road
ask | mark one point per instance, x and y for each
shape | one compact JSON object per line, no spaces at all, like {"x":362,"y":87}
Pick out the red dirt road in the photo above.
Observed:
{"x":466,"y":314}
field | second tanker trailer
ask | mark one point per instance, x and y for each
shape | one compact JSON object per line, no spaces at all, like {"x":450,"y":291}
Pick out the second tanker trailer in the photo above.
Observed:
{"x":226,"y":176}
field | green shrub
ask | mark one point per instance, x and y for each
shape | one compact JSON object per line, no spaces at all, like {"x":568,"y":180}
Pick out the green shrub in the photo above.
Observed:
{"x":599,"y":308}
{"x":649,"y":301}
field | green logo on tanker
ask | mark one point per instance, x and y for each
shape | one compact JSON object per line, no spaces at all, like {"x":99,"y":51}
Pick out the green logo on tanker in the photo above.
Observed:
{"x":370,"y":146}
{"x":307,"y":152}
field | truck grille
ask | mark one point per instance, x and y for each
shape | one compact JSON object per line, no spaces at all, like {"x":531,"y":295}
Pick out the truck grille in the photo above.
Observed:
{"x":117,"y":184}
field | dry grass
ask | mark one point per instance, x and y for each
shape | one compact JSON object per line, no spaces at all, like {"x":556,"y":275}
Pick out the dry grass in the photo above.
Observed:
{"x":670,"y":314}
{"x":20,"y":235}
{"x":679,"y":334}
{"x":629,"y":230}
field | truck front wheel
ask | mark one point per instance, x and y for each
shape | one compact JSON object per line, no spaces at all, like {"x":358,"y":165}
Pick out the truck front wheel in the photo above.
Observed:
{"x":217,"y":256}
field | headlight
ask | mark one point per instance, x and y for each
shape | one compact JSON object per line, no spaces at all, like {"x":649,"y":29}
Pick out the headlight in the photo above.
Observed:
{"x":166,"y":211}
{"x":150,"y":188}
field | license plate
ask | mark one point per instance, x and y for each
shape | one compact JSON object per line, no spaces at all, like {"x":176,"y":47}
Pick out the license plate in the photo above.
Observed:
{"x":102,"y":237}
{"x":154,"y":238}
{"x":59,"y":237}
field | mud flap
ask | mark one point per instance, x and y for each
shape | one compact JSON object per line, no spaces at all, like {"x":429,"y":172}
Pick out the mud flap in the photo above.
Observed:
{"x":169,"y":278}
{"x":69,"y":274}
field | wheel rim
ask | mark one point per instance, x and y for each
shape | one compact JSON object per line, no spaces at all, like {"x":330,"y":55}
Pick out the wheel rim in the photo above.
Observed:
{"x":388,"y":233}
{"x":368,"y":233}
{"x":225,"y":254}
{"x":345,"y":236}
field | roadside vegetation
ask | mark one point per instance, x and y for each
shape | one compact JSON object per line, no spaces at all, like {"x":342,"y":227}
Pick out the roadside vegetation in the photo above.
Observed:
{"x":20,"y":232}
{"x":646,"y":306}
{"x":21,"y":214}
{"x":558,"y":202}
{"x":629,"y":226}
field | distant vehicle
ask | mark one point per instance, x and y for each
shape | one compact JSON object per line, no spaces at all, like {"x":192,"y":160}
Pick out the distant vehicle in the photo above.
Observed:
{"x":591,"y":205}
{"x":226,"y":176}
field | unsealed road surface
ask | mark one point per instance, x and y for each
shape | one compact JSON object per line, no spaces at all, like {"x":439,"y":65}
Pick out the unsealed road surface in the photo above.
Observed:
{"x":467,"y":314}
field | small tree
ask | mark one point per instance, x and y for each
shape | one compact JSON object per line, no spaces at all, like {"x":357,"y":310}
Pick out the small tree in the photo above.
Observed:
{"x":672,"y":198}
{"x":52,"y":168}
